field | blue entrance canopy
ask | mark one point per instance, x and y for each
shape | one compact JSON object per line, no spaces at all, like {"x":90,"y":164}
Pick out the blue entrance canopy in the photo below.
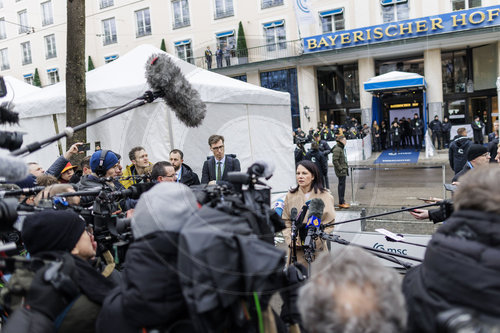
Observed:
{"x":394,"y":81}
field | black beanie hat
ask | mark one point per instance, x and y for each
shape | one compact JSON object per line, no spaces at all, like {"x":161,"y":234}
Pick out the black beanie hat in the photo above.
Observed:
{"x":476,"y":150}
{"x":52,"y":230}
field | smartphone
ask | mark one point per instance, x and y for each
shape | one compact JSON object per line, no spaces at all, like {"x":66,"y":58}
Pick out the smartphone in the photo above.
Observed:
{"x":84,"y":147}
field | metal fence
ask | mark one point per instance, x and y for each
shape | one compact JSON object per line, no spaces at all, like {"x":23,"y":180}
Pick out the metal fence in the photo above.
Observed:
{"x":266,"y":52}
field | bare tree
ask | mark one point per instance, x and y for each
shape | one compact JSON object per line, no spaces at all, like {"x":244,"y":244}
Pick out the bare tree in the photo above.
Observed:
{"x":76,"y":96}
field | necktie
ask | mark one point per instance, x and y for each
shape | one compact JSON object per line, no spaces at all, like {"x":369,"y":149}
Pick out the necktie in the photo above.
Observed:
{"x":218,"y":176}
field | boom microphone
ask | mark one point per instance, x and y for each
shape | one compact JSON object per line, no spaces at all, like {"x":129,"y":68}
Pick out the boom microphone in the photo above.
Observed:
{"x":167,"y":80}
{"x":12,"y":168}
{"x":24,"y":191}
{"x":7,"y":115}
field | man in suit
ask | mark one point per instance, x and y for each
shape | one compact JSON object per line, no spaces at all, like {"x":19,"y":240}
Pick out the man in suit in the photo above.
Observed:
{"x":215,"y":169}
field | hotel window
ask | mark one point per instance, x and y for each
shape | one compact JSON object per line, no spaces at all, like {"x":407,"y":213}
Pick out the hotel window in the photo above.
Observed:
{"x":465,"y":4}
{"x":47,"y":16}
{"x":3,"y":33}
{"x":184,"y":51}
{"x":105,"y":3}
{"x":109,"y":31}
{"x":110,"y":58}
{"x":271,"y":3}
{"x":454,"y":71}
{"x":332,"y":20}
{"x":241,"y":77}
{"x":50,"y":46}
{"x":180,"y":8}
{"x":26,"y":51}
{"x":53,"y":75}
{"x":28,"y":78}
{"x":4,"y":59}
{"x":23,"y":21}
{"x":275,"y":35}
{"x":223,"y":8}
{"x":395,"y":10}
{"x":143,"y":21}
{"x":226,"y":39}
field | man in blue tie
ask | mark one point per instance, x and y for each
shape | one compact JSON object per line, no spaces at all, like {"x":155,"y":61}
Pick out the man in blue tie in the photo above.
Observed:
{"x":216,"y":167}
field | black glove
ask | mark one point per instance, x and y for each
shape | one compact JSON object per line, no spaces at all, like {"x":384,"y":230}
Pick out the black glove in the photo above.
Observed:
{"x":294,"y":277}
{"x":53,"y":289}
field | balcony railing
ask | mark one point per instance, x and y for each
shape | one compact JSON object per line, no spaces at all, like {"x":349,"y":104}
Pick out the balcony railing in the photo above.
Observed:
{"x":255,"y":54}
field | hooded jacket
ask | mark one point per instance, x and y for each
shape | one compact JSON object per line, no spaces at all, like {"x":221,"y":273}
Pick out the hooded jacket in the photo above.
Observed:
{"x":460,"y":269}
{"x":150,"y":295}
{"x":130,"y":171}
{"x":457,"y":154}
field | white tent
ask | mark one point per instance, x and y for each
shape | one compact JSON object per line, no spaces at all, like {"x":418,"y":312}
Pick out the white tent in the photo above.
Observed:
{"x":255,"y":121}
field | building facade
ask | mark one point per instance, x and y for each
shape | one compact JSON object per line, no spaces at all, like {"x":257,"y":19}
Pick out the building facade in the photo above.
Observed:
{"x":323,"y":62}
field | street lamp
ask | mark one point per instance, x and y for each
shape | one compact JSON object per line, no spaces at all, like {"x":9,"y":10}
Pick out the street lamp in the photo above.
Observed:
{"x":307,"y":110}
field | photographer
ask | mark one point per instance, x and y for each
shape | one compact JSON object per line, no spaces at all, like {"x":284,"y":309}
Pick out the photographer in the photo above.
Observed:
{"x":103,"y":163}
{"x":61,"y":236}
{"x":150,"y":296}
{"x":461,"y":264}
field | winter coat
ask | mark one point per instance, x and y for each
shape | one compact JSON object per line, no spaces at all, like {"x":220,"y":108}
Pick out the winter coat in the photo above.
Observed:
{"x":319,"y":159}
{"x":150,"y":295}
{"x":130,"y":171}
{"x":188,"y":176}
{"x":435,"y":126}
{"x":460,"y":270}
{"x":339,"y":160}
{"x":416,"y":126}
{"x":457,"y":154}
{"x":446,"y":126}
{"x":462,"y":172}
{"x":396,"y":133}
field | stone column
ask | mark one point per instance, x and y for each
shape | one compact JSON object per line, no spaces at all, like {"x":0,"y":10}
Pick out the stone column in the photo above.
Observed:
{"x":434,"y":79}
{"x":308,"y":96}
{"x":366,"y":69}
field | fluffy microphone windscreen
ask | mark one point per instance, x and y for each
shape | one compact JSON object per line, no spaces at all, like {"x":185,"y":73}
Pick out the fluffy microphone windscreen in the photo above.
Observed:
{"x":12,"y":168}
{"x":165,"y":77}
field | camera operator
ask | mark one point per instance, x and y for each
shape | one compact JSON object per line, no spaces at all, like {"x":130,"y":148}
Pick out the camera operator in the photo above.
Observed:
{"x":309,"y":186}
{"x":150,"y":296}
{"x":60,"y":235}
{"x":50,"y":191}
{"x":352,"y":292}
{"x":103,"y":163}
{"x":462,"y":260}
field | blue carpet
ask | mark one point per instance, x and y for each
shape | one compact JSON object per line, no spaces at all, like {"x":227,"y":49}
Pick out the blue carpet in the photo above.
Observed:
{"x":404,"y":156}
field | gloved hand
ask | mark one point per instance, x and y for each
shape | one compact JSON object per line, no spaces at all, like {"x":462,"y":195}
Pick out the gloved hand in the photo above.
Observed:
{"x":53,"y":289}
{"x":294,"y":276}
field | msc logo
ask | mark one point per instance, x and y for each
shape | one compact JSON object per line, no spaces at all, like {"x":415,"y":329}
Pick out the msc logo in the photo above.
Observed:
{"x":398,"y":251}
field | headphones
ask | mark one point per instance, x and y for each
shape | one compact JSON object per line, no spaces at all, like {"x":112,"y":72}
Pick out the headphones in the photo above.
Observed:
{"x":100,"y":170}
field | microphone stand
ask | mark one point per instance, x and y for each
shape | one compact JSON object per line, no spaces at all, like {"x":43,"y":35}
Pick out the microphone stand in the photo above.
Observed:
{"x":403,"y":209}
{"x":148,"y":97}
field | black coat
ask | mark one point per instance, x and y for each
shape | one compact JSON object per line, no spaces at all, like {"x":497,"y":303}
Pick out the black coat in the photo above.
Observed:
{"x":416,"y":126}
{"x":319,"y":159}
{"x":435,"y":126}
{"x":462,"y":172}
{"x":188,"y":176}
{"x":457,"y":154}
{"x":150,"y":295}
{"x":460,"y":269}
{"x":446,"y":126}
{"x":477,"y":129}
{"x":396,"y":133}
{"x":208,"y":171}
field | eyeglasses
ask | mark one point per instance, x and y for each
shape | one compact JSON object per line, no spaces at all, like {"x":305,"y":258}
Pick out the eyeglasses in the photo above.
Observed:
{"x":486,"y":154}
{"x":218,"y":148}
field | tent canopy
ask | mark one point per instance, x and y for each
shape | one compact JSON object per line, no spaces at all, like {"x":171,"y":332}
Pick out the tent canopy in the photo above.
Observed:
{"x":17,"y":89}
{"x":395,"y":80}
{"x":255,"y":121}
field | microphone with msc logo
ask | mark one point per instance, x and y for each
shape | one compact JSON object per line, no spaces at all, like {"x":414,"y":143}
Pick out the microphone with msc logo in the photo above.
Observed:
{"x":316,"y":208}
{"x":168,"y":82}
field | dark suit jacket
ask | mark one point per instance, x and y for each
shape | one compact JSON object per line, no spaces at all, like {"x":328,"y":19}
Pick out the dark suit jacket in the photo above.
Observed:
{"x":208,"y":172}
